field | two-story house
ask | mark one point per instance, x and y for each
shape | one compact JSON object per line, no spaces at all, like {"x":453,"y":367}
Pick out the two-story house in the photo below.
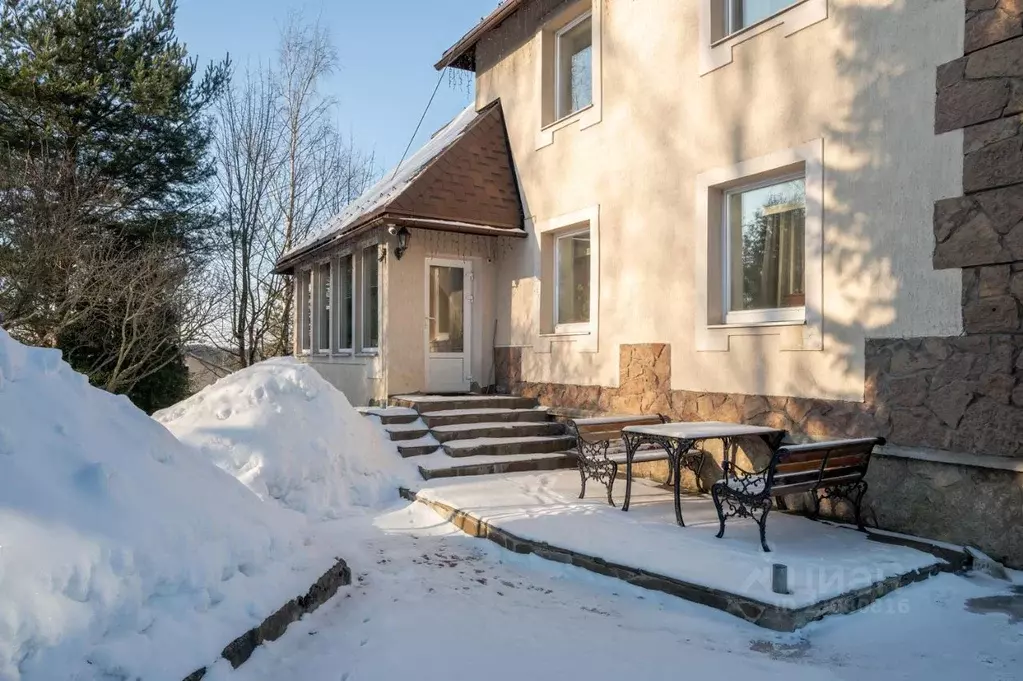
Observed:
{"x":806,"y":213}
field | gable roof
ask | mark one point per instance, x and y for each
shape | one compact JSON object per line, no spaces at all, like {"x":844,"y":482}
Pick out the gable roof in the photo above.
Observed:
{"x":461,"y":180}
{"x":462,"y":55}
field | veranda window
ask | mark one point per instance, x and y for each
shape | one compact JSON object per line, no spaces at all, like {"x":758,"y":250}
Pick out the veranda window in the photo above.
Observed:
{"x":325,"y":305}
{"x":370,"y":299}
{"x":346,"y":313}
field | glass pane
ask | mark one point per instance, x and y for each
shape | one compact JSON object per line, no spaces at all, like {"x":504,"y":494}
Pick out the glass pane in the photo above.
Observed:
{"x":325,"y":304}
{"x":370,"y":298}
{"x":346,"y":303}
{"x":305,"y":304}
{"x":766,"y":235}
{"x":749,"y":12}
{"x":447,"y":309}
{"x":573,"y":261}
{"x":576,"y":68}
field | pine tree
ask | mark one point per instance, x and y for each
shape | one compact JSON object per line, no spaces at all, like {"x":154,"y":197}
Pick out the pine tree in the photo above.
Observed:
{"x":105,"y":88}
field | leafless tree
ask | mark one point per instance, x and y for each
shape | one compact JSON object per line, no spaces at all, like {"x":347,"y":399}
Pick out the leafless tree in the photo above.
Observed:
{"x":283,"y":168}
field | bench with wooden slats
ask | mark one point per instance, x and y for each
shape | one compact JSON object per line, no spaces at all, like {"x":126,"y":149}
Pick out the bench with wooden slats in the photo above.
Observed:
{"x":827,"y":470}
{"x":600,"y":447}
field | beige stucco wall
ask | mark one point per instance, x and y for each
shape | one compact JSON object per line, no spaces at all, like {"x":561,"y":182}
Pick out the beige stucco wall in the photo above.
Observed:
{"x":405,"y":352}
{"x":862,"y":81}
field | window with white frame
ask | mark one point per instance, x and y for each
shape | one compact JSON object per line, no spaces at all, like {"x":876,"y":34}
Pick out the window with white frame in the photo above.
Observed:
{"x":739,"y":14}
{"x":304,"y":310}
{"x":370,"y":298}
{"x":764,"y":249}
{"x":572,"y":280}
{"x":324,"y":303}
{"x":346,"y":313}
{"x":573,"y":76}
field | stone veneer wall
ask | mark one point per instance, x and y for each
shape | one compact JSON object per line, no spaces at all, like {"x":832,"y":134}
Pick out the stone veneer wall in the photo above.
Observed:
{"x":961,"y":394}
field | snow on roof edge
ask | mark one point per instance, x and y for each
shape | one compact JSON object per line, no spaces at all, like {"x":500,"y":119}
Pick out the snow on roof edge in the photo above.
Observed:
{"x":393,"y":182}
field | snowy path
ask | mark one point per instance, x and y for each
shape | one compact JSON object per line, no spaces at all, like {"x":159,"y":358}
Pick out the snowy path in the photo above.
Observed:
{"x":431,"y":603}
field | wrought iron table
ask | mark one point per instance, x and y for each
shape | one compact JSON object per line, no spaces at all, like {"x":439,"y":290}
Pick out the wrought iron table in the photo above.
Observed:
{"x":677,"y":440}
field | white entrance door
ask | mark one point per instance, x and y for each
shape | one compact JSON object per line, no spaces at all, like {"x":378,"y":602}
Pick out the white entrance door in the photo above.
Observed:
{"x":448,"y":324}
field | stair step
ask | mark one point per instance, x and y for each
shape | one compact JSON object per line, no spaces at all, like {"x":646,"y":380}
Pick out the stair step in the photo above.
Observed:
{"x":439,"y":465}
{"x":421,"y":446}
{"x":490,"y":429}
{"x":389,"y":415}
{"x":448,"y":417}
{"x":407,"y":431}
{"x":507,"y":446}
{"x":428,"y":403}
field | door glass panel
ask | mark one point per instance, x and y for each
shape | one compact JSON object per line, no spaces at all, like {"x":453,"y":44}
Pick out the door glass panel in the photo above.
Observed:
{"x":446,"y":309}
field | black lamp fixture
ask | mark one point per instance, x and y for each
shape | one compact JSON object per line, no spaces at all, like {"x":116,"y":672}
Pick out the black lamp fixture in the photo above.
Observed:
{"x":403,"y":236}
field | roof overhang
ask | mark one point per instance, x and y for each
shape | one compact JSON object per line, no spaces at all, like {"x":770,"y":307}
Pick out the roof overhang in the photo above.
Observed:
{"x":287,"y":265}
{"x":462,"y":55}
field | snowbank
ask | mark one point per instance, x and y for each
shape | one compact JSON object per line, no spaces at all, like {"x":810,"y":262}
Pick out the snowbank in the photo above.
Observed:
{"x":280,"y":428}
{"x":123,"y":552}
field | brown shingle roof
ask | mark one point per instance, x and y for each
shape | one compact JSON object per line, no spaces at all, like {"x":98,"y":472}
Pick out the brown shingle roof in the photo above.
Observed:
{"x":461,"y":180}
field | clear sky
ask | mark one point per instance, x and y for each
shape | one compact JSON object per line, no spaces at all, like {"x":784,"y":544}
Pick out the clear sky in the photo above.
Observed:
{"x":387,"y":49}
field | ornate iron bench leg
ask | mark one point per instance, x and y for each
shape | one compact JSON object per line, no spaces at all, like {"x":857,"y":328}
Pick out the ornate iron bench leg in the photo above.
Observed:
{"x":721,"y":512}
{"x":582,"y":479}
{"x":611,"y":481}
{"x":861,"y":491}
{"x":762,"y":523}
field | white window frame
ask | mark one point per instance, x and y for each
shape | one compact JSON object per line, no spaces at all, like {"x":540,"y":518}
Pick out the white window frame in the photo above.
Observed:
{"x":560,"y":105}
{"x":711,"y":333}
{"x":303,"y":322}
{"x":344,"y":314}
{"x":730,"y":15}
{"x":548,"y":70}
{"x":716,"y":51}
{"x":318,"y":309}
{"x":362,"y":307}
{"x":767,"y":315}
{"x":573,"y":327}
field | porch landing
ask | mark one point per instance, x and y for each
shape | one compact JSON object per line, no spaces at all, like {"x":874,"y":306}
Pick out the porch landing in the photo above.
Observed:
{"x":831,"y":569}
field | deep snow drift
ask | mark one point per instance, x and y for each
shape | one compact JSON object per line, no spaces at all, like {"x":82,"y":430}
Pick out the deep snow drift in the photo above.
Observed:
{"x":280,"y":428}
{"x":122,"y":550}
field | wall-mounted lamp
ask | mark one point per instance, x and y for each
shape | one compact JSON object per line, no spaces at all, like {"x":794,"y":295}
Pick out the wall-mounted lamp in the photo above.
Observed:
{"x":403,"y":236}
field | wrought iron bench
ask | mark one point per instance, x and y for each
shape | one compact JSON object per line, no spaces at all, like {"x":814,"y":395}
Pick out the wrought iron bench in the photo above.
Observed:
{"x":600,"y":447}
{"x":834,"y":469}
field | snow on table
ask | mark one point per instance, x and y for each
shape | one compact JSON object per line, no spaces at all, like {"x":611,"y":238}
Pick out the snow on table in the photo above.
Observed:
{"x":823,"y":561}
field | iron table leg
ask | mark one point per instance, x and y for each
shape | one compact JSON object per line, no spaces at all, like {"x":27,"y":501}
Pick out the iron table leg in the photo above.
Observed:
{"x":630,"y":451}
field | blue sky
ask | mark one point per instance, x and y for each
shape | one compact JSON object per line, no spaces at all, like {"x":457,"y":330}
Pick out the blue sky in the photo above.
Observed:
{"x":387,"y":49}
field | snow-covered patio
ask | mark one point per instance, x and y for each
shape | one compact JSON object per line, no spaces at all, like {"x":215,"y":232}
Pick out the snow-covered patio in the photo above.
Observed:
{"x":831,"y":569}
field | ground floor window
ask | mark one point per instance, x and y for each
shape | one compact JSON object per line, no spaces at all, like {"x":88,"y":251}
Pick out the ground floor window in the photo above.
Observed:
{"x":346,"y":315}
{"x":764,"y":236}
{"x":304,"y":308}
{"x":325,"y":303}
{"x":370,"y":298}
{"x":572,"y":279}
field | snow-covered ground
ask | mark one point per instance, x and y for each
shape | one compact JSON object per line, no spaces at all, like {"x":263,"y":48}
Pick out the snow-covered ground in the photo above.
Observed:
{"x":281,"y":429}
{"x":124,"y":552}
{"x":431,"y":603}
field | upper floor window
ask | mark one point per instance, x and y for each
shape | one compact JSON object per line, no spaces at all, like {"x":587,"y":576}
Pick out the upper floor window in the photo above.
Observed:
{"x":738,"y":14}
{"x":574,"y":66}
{"x":764,"y":241}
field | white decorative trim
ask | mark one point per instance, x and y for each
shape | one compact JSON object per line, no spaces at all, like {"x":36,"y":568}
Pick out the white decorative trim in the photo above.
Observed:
{"x":717,"y":53}
{"x":711,"y":334}
{"x":952,"y":458}
{"x":583,"y":337}
{"x":546,"y":67}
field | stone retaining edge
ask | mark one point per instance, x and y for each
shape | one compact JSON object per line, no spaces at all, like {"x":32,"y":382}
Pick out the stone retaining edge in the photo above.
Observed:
{"x":274,"y":626}
{"x":756,"y":612}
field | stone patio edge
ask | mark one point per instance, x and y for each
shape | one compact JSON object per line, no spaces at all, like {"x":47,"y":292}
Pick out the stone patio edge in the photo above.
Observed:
{"x":756,"y":612}
{"x":273,"y":627}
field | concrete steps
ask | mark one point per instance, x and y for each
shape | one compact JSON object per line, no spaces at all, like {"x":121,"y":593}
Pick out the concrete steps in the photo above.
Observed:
{"x":460,"y":435}
{"x":508,"y":446}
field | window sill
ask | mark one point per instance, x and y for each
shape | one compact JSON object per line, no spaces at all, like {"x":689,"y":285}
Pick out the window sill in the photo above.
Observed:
{"x":586,"y":117}
{"x":753,"y":324}
{"x":368,"y":353}
{"x":566,"y":119}
{"x":566,"y":333}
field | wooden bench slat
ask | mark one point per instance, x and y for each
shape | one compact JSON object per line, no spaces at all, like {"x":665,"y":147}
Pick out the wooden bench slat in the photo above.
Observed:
{"x":778,"y":490}
{"x":846,"y":460}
